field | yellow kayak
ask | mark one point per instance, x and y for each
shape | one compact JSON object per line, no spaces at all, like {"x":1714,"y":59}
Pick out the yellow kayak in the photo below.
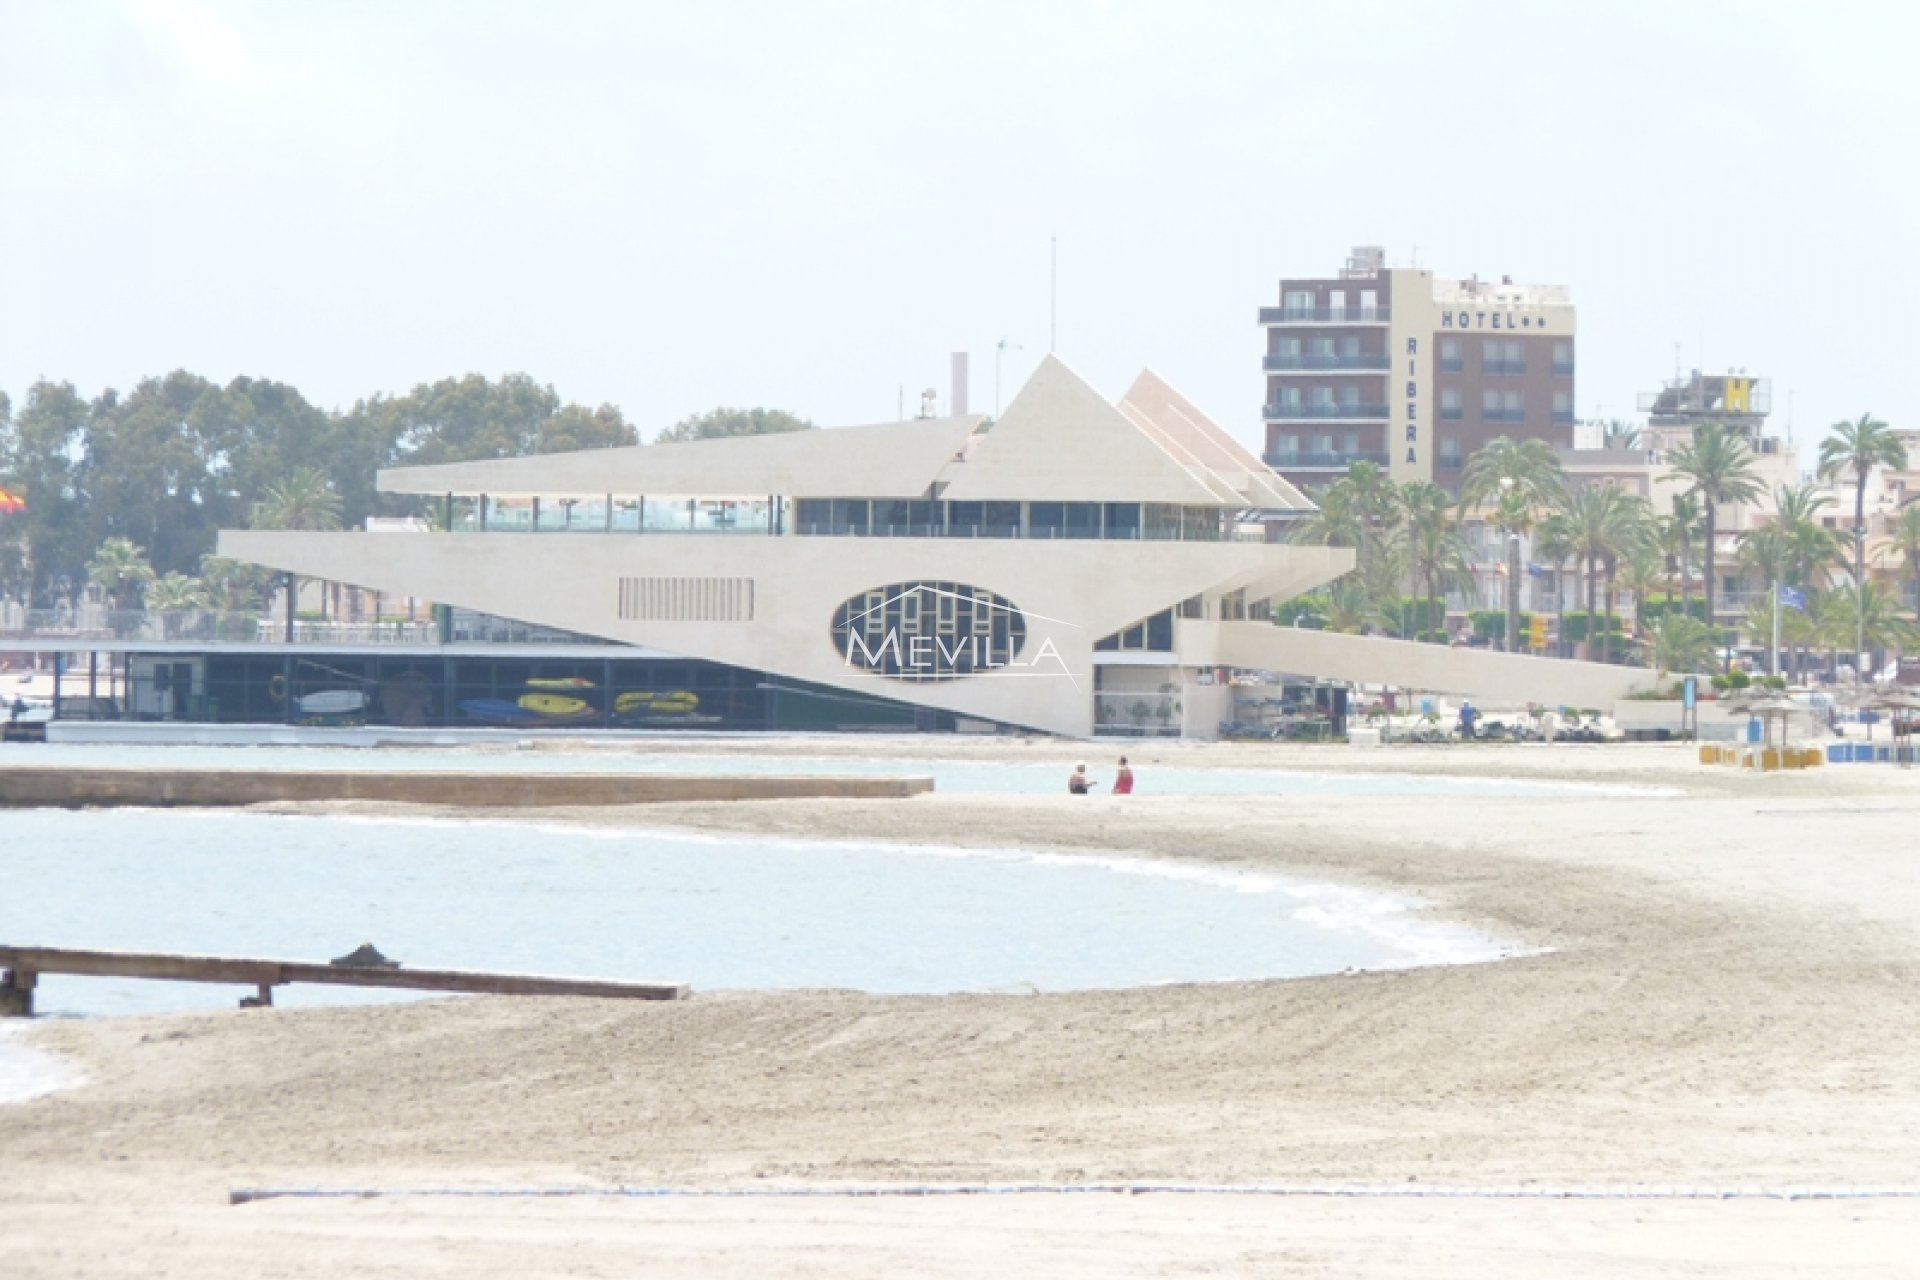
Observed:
{"x":669,"y":702}
{"x":553,"y":704}
{"x":561,"y":682}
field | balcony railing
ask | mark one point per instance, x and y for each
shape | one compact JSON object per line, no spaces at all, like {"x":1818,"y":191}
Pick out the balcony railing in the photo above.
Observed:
{"x":1563,"y":368}
{"x":1563,"y":417}
{"x":1503,"y":415}
{"x":1325,"y":315}
{"x":1452,"y":364}
{"x":203,"y":626}
{"x":1504,"y":367}
{"x":1452,"y":413}
{"x":1291,"y":364}
{"x":1325,"y":412}
{"x":1304,"y":461}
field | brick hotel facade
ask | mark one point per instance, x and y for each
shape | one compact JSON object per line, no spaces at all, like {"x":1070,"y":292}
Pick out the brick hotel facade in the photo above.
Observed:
{"x":1390,"y":365}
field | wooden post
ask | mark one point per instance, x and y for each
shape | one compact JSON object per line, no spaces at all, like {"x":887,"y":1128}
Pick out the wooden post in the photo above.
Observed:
{"x":16,"y":993}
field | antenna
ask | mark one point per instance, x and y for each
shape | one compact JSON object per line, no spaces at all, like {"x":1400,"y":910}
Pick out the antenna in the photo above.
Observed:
{"x":1000,"y":350}
{"x":1053,"y":294}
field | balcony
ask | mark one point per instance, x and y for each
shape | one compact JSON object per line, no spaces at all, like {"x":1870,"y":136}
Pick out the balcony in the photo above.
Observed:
{"x":1320,"y":461}
{"x":1325,"y":315}
{"x":1563,"y":368}
{"x":1503,"y":368}
{"x":1325,"y":412}
{"x":1452,"y":413}
{"x":1452,"y":364}
{"x":1503,"y":415}
{"x":1292,"y":364}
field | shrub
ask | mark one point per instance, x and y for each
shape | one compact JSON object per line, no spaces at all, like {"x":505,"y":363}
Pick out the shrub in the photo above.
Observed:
{"x":1574,"y":627}
{"x":1653,"y":608}
{"x":1491,"y":624}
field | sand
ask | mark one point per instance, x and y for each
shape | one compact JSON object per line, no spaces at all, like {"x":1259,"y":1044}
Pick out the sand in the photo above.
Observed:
{"x":1729,"y":999}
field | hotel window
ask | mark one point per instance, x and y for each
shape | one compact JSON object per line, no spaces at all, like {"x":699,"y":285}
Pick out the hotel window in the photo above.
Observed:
{"x":1450,"y":410}
{"x":1490,"y":402}
{"x":1286,"y":446}
{"x":1350,"y":347}
{"x":1563,"y":358}
{"x":1286,"y":346}
{"x":1563,"y":406}
{"x":1350,"y":397}
{"x":1350,"y":444}
{"x":1323,"y":397}
{"x":1449,"y":451}
{"x":1290,"y":398}
{"x":1450,"y":359}
{"x":1323,"y":446}
{"x":1510,"y":406}
{"x":1322,"y":352}
{"x":1369,"y":304}
{"x":1298,"y":302}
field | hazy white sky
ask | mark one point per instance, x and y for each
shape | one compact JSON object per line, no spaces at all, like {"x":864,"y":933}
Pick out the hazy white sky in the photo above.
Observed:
{"x":809,"y":205}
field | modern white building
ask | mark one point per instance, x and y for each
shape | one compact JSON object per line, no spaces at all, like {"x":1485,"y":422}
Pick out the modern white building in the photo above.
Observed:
{"x":1076,"y":566}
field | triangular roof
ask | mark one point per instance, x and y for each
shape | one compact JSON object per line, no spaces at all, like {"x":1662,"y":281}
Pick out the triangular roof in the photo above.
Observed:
{"x":1204,"y":446}
{"x":891,"y":460}
{"x":1061,"y":441}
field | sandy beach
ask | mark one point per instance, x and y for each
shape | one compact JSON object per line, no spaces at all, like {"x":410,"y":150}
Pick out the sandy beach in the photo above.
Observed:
{"x":1727,"y":997}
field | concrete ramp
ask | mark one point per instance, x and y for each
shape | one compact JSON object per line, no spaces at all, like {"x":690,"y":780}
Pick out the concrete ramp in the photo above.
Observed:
{"x":1408,"y":664}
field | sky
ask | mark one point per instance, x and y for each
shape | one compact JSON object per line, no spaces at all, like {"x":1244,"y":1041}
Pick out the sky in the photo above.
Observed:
{"x":673,"y":206}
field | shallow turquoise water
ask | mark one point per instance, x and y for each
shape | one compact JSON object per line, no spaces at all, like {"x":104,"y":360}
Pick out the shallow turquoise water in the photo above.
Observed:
{"x":717,"y":913}
{"x":1046,"y":776}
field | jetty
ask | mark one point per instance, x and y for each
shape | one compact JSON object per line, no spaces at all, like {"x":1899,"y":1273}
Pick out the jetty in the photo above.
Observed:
{"x":68,"y":787}
{"x":21,"y":968}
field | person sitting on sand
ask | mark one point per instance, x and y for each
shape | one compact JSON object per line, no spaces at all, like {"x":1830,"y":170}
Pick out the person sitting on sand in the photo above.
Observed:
{"x":1078,"y":783}
{"x":1123,"y":780}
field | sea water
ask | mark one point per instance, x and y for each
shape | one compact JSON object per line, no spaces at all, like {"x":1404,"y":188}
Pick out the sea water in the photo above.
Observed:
{"x":715,"y":912}
{"x":963,"y":777}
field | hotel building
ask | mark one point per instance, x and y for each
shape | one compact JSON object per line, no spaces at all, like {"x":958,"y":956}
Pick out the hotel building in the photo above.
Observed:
{"x":1394,"y":366}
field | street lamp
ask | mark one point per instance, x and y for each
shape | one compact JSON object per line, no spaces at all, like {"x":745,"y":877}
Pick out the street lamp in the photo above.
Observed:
{"x":1513,"y":572}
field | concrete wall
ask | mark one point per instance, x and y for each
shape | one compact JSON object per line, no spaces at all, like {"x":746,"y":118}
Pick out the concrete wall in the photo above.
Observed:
{"x":81,"y":788}
{"x":1406,"y":664}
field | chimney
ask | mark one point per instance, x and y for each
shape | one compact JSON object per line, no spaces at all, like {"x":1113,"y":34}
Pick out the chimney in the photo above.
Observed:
{"x":957,"y":403}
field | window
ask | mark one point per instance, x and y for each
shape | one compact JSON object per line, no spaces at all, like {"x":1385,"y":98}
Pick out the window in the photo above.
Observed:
{"x":1323,"y":397}
{"x":1323,"y":445}
{"x":1563,"y":357}
{"x":1450,"y":355}
{"x":1350,"y":397}
{"x":1510,"y":404}
{"x":1450,"y":410}
{"x":1369,"y":303}
{"x":1350,"y":347}
{"x":1489,"y":401}
{"x":1322,"y":348}
{"x":1350,"y":444}
{"x":1297,"y":302}
{"x":1563,"y":406}
{"x":1450,"y":451}
{"x":1290,"y":398}
{"x":1286,"y":446}
{"x":1288,"y":347}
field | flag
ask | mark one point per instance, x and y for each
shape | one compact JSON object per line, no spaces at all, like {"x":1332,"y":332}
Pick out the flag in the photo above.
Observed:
{"x":11,"y":502}
{"x":1794,"y":600}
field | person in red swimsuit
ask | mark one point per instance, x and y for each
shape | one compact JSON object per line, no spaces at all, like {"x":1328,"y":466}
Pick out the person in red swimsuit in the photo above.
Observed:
{"x":1123,"y":780}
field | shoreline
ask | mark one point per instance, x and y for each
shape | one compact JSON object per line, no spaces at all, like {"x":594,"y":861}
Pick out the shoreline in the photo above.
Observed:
{"x":1729,"y":1000}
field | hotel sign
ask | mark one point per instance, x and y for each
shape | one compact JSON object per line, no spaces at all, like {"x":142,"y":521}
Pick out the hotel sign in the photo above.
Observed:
{"x":1493,"y":318}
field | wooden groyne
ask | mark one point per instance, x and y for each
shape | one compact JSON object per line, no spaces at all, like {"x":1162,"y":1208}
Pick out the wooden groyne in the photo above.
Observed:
{"x":23,"y":966}
{"x":46,"y":786}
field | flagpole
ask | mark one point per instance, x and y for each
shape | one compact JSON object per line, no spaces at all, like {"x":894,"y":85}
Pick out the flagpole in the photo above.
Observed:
{"x":1774,"y":668}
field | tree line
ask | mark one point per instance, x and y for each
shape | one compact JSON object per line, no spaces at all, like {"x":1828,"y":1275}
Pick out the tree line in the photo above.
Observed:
{"x":1411,"y":547}
{"x":149,"y":478}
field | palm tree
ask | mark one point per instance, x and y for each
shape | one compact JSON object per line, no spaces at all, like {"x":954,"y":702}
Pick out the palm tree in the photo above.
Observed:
{"x":1601,"y":522}
{"x":1375,"y":502}
{"x":1718,"y":468}
{"x":1866,"y":613}
{"x":304,"y":501}
{"x":1679,"y":642}
{"x":1676,"y":532}
{"x":172,"y":596}
{"x":1618,"y":435}
{"x":120,"y":569}
{"x":1642,"y":573}
{"x":1521,"y":477}
{"x":1347,"y":607}
{"x":1860,"y":447}
{"x":1906,"y":542}
{"x":1554,"y":542}
{"x":1436,"y":552}
{"x":1811,"y":546}
{"x":1635,"y":534}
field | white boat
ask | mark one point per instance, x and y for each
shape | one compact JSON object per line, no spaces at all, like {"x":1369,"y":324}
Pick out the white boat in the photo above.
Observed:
{"x":332,"y":702}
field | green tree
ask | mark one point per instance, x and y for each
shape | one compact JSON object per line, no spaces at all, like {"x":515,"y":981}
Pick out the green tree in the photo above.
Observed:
{"x":1859,"y":447}
{"x":1865,"y":614}
{"x":1680,"y":643}
{"x":120,"y":570}
{"x":1677,"y":531}
{"x":1905,"y":542}
{"x":1554,"y":542}
{"x":1810,"y":546}
{"x":723,"y":422}
{"x":1436,"y":550}
{"x":1603,"y":523}
{"x":232,"y":586}
{"x":305,"y":501}
{"x":39,"y":445}
{"x":1521,"y":479}
{"x":1717,"y":467}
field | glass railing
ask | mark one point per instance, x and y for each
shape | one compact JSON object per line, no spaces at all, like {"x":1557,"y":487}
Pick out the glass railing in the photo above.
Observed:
{"x":1503,"y":415}
{"x":1504,"y":367}
{"x":1294,"y":461}
{"x":1563,"y":368}
{"x":1325,"y":315}
{"x":1324,"y":412}
{"x":1289,"y":364}
{"x":204,"y":626}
